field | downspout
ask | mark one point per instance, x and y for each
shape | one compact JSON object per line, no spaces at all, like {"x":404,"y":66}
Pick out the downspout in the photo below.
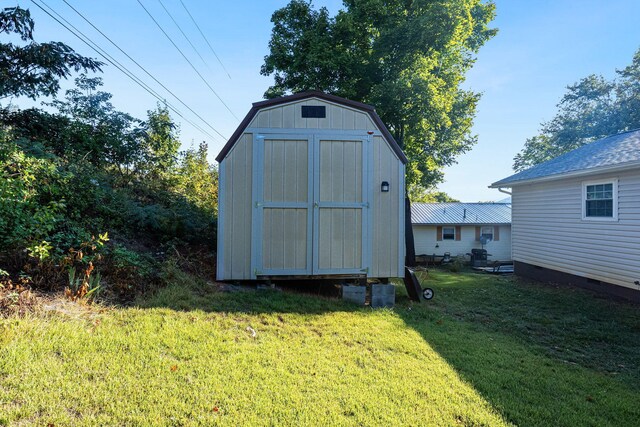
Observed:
{"x":504,"y":191}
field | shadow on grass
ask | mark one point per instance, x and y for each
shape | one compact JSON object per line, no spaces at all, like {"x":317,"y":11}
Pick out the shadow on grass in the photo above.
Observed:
{"x":540,"y":355}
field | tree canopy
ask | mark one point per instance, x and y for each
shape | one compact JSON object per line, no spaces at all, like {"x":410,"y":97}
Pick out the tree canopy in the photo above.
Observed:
{"x":592,"y":108}
{"x":407,"y":58}
{"x":36,"y":68}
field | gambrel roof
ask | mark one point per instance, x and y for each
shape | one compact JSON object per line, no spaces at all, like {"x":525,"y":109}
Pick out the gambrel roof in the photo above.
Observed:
{"x":460,"y":213}
{"x":257,"y":106}
{"x":621,"y":151}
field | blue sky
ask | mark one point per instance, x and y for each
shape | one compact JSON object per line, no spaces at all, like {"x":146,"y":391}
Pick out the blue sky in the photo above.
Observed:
{"x":541,"y":48}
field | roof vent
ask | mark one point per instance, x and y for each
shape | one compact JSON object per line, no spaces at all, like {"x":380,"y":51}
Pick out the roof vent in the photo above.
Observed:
{"x":314,"y":111}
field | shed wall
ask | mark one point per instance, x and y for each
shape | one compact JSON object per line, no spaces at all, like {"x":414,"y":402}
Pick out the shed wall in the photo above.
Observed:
{"x":548,"y":230}
{"x":388,"y":212}
{"x":425,"y":238}
{"x":234,"y":225}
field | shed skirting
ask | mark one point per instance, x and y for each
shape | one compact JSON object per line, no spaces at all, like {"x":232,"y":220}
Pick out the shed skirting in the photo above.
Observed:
{"x":546,"y":275}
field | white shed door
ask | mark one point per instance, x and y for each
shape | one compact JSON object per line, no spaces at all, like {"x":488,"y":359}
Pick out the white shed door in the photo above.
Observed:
{"x":340,"y":206}
{"x":284,"y":214}
{"x":311,"y":209}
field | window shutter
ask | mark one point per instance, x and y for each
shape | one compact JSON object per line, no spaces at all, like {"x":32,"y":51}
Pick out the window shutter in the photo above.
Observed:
{"x":496,"y":233}
{"x":458,"y":232}
{"x":439,"y":233}
{"x":478,"y":234}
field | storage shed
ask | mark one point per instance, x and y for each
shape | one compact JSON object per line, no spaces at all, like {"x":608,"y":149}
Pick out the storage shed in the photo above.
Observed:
{"x":311,"y":185}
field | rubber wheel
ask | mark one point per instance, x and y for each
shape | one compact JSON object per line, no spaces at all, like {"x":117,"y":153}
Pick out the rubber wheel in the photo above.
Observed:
{"x":427,"y":293}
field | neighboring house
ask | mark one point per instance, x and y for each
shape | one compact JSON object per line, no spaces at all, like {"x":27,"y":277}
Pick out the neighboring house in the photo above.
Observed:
{"x":576,"y":218}
{"x":459,"y":227}
{"x":311,"y":185}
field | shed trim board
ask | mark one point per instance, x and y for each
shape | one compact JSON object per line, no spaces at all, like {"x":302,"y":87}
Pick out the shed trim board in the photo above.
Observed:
{"x":257,"y":106}
{"x":402,"y":224}
{"x":221,"y":219}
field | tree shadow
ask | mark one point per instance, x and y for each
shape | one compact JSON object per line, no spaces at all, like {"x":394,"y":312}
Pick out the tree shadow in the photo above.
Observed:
{"x":540,"y":355}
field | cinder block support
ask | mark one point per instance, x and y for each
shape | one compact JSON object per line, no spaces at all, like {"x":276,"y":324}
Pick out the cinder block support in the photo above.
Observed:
{"x":354,"y":294}
{"x":383,"y":295}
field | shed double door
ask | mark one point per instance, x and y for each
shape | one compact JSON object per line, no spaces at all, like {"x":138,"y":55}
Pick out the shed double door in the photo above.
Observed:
{"x":311,"y":209}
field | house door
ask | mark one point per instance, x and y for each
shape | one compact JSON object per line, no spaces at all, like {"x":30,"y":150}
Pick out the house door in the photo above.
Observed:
{"x":310,"y":205}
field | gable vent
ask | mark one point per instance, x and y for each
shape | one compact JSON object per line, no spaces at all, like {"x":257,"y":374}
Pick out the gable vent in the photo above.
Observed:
{"x":314,"y":111}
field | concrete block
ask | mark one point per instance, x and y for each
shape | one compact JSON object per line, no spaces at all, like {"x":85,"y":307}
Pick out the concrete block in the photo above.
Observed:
{"x":383,"y":295}
{"x":355,"y":294}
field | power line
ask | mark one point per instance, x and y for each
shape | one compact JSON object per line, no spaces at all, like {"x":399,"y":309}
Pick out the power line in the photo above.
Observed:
{"x":205,"y":38}
{"x":115,"y":63}
{"x":183,"y":33}
{"x":144,"y":69}
{"x":187,"y":59}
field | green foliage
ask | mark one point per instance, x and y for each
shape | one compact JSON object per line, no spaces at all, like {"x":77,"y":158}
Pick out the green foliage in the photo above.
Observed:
{"x":35,"y":69}
{"x":592,"y":108}
{"x":419,"y":194}
{"x":406,"y":58}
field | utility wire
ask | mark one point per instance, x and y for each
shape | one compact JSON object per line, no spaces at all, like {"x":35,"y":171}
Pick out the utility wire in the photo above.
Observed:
{"x":183,"y":33}
{"x":115,"y":63}
{"x":187,"y":59}
{"x":144,"y":69}
{"x":205,"y":38}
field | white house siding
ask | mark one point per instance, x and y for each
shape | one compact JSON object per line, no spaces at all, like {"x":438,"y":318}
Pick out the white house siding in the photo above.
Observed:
{"x":425,"y":240}
{"x":548,"y":230}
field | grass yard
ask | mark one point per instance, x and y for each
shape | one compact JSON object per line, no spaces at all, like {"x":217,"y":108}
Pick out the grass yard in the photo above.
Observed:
{"x":485,"y":351}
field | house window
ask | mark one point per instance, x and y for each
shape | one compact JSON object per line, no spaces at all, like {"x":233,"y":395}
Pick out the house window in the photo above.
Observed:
{"x":448,"y":233}
{"x":599,"y":200}
{"x":486,"y":233}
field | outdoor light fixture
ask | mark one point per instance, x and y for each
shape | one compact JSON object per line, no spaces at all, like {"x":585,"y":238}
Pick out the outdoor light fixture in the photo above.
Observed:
{"x":384,"y":187}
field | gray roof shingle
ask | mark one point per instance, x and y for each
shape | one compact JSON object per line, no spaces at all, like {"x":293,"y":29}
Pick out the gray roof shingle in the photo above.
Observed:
{"x":461,"y":213}
{"x":616,"y":150}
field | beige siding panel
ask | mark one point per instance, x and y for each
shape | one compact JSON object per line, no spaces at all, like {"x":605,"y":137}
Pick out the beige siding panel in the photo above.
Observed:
{"x":288,"y":116}
{"x":340,"y":238}
{"x":284,"y":238}
{"x":238,"y":210}
{"x":386,"y":212}
{"x":335,"y":114}
{"x":548,"y":230}
{"x":275,"y":118}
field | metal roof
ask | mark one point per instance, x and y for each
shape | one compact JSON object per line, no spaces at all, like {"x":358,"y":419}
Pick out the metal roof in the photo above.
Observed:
{"x":617,"y":151}
{"x":461,"y":213}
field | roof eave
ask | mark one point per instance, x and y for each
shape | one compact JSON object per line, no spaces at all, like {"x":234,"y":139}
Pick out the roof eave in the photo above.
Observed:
{"x":572,"y":174}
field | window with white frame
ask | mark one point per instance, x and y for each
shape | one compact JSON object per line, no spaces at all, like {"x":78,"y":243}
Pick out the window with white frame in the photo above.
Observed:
{"x":600,"y":200}
{"x":448,"y":233}
{"x":486,"y":233}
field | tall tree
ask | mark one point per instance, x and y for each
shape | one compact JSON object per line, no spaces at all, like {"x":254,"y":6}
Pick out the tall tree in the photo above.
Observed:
{"x":592,"y":108}
{"x":36,"y":68}
{"x":406,"y":57}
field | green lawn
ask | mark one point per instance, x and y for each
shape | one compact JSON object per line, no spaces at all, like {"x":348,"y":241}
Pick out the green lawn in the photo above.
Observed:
{"x":485,"y":351}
